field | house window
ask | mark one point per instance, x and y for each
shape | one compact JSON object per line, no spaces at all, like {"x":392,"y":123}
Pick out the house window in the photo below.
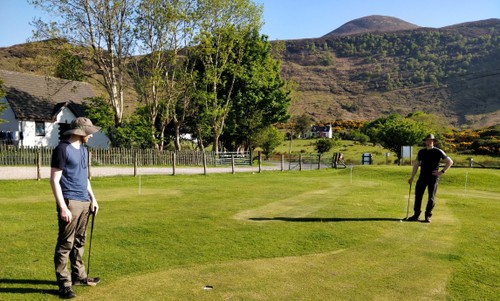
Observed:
{"x":40,"y":128}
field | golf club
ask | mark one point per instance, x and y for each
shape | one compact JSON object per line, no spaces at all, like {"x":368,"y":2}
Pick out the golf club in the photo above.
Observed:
{"x":90,"y":242}
{"x":408,"y":205}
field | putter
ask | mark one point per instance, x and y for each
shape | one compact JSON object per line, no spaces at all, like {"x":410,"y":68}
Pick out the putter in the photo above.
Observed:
{"x":408,"y":205}
{"x":90,"y":242}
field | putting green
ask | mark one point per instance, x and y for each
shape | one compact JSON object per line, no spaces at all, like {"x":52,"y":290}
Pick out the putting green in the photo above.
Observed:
{"x":407,"y":261}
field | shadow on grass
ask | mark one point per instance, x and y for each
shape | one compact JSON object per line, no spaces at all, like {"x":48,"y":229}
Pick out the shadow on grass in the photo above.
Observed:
{"x":325,"y":219}
{"x":30,"y":286}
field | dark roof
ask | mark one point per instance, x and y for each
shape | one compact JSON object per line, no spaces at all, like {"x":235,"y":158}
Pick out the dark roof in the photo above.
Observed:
{"x":318,"y":128}
{"x":35,"y":97}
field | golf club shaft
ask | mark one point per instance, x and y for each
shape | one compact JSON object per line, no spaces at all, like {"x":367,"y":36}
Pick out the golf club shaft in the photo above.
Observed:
{"x":90,"y":242}
{"x":408,"y":205}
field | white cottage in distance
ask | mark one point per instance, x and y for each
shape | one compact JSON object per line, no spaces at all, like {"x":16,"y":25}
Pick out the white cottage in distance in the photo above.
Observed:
{"x":41,"y":108}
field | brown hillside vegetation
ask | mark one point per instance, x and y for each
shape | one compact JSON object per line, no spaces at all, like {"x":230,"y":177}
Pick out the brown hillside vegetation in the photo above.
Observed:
{"x":363,"y":70}
{"x":451,"y":72}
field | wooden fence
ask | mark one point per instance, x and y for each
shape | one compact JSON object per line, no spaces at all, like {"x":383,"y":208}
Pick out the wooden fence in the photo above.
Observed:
{"x":11,"y":156}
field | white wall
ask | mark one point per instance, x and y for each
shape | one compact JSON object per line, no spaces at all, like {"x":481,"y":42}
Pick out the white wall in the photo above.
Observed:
{"x":98,"y":140}
{"x":51,"y":138}
{"x":11,"y":123}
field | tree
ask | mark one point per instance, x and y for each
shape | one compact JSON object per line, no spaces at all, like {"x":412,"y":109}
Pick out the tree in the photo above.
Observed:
{"x":69,"y":66}
{"x":97,"y":110}
{"x":165,"y":30}
{"x":105,"y":27}
{"x":261,"y":97}
{"x":394,"y":132}
{"x":268,"y":139}
{"x":224,"y":24}
{"x":302,"y":124}
{"x":323,"y":145}
{"x":133,"y":132}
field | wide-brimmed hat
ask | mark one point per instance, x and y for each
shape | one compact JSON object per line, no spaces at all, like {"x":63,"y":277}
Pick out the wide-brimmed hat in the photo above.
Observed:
{"x":82,"y":126}
{"x":430,"y":136}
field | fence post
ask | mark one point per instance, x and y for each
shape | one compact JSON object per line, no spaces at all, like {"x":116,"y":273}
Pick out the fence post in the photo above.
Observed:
{"x":174,"y":160}
{"x":260,"y":162}
{"x":282,"y":162}
{"x":319,"y":161}
{"x":135,"y":163}
{"x":300,"y":162}
{"x":205,"y":163}
{"x":89,"y":166}
{"x":39,"y":165}
{"x":232,"y":163}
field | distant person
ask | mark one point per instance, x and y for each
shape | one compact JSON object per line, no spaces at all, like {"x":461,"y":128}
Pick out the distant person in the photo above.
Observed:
{"x":428,"y":159}
{"x":75,"y":202}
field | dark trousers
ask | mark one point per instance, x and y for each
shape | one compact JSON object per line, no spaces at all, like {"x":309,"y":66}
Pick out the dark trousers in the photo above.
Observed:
{"x":70,"y":244}
{"x":430,"y":183}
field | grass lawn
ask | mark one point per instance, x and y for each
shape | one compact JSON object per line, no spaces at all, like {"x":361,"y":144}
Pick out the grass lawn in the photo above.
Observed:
{"x":310,"y":235}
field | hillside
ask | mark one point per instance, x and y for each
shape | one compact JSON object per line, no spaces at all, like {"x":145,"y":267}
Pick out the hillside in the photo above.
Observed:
{"x":365,"y":69}
{"x":380,"y":24}
{"x":451,"y":72}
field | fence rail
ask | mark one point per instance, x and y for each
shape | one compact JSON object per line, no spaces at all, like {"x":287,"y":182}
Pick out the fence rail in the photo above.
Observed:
{"x":12,"y":156}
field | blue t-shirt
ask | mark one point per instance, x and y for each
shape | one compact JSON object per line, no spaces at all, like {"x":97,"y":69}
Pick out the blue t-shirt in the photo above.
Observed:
{"x":73,"y":163}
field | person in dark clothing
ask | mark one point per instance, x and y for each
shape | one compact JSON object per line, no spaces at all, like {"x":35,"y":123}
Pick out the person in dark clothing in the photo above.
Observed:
{"x":75,"y":202}
{"x":428,"y":159}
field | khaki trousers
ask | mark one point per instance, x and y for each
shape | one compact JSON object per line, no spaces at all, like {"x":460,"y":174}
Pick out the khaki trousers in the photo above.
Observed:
{"x":70,"y":244}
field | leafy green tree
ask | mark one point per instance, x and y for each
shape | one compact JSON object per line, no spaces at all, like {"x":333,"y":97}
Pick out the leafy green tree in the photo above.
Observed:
{"x":69,"y":66}
{"x":224,"y":24}
{"x":394,"y":132}
{"x":357,"y":135}
{"x":133,"y":132}
{"x":165,"y":29}
{"x":268,"y":139}
{"x":98,"y":110}
{"x":302,"y":124}
{"x":324,"y":145}
{"x":434,"y":124}
{"x":260,"y":95}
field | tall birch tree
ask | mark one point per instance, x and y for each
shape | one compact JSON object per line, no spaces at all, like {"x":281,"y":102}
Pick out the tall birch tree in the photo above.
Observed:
{"x":105,"y":27}
{"x":165,"y":30}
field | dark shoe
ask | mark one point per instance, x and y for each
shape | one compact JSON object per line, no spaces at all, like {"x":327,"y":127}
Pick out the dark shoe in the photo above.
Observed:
{"x":87,"y":281}
{"x":427,"y":219}
{"x":66,"y":293}
{"x":413,"y":218}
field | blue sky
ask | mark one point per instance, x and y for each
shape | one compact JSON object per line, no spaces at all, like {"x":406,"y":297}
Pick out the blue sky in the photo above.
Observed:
{"x":296,"y":19}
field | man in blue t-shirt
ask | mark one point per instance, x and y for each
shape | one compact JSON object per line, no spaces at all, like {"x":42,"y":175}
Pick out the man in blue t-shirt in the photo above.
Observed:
{"x":428,"y":159}
{"x":75,"y":202}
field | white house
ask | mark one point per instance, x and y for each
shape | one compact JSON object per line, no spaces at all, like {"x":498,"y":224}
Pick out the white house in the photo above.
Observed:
{"x":320,"y":132}
{"x":40,"y":109}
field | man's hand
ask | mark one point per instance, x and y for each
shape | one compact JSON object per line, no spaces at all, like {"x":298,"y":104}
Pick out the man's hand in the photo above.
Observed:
{"x":94,"y":208}
{"x":66,"y":215}
{"x":437,"y":173}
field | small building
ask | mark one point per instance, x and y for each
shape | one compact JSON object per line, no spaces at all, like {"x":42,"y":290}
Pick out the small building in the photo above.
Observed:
{"x":318,"y":131}
{"x":41,"y":108}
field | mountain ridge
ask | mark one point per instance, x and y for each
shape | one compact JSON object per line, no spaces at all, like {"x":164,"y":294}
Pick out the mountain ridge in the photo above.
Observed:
{"x":451,"y":72}
{"x":373,"y":23}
